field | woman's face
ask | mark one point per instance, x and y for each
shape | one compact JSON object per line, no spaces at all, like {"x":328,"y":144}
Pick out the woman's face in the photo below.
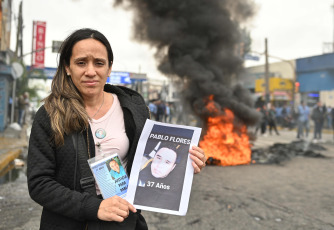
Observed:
{"x":163,"y":163}
{"x":89,"y":67}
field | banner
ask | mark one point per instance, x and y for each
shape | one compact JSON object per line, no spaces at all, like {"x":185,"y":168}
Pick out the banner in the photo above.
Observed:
{"x":38,"y":46}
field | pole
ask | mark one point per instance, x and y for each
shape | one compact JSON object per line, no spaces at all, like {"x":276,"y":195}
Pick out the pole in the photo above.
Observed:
{"x":293,"y":67}
{"x":267,"y":93}
{"x":21,"y":28}
{"x":18,"y":38}
{"x":32,"y":45}
{"x":294,"y":88}
{"x":17,"y":48}
{"x":333,"y":27}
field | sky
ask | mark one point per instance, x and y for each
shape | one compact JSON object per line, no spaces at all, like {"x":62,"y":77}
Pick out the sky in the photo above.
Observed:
{"x":294,"y":29}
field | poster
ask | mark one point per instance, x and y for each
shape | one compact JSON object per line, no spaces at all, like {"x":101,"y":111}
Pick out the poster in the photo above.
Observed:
{"x":161,"y":175}
{"x":109,"y":175}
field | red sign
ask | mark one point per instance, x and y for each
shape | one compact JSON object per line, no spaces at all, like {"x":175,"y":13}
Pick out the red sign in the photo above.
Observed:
{"x":38,"y":44}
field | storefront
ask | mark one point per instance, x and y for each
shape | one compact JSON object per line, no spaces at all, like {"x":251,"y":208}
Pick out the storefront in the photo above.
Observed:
{"x":316,"y":77}
{"x":7,"y":76}
{"x":280,"y":90}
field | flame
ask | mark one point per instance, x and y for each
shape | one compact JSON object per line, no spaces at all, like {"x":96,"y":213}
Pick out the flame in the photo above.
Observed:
{"x":225,"y":142}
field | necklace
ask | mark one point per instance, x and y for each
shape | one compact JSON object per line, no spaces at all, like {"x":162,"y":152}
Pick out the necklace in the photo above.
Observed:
{"x":99,"y":108}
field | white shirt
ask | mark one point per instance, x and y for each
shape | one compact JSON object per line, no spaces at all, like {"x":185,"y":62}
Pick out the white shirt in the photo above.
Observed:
{"x":109,"y":132}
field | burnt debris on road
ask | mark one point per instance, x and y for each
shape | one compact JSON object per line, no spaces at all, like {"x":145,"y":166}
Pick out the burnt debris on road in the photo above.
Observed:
{"x":279,"y":152}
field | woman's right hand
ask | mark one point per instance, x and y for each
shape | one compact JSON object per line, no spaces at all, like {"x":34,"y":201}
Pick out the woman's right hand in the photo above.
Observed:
{"x":115,"y":209}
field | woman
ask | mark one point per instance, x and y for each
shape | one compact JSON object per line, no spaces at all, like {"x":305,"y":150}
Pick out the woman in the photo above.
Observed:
{"x":110,"y":119}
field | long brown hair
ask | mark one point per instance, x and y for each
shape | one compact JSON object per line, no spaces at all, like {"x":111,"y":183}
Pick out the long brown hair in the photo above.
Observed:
{"x":65,"y":104}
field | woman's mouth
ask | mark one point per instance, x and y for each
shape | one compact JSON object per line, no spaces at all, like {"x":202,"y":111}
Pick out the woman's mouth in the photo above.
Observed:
{"x":90,"y":83}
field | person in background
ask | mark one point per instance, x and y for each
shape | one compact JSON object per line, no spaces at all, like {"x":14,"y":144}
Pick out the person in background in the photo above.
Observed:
{"x":332,"y":116}
{"x":279,"y":117}
{"x":284,"y":116}
{"x":171,"y":112}
{"x":258,"y":123}
{"x":264,"y":120}
{"x":180,"y":114}
{"x":167,"y":113}
{"x":272,"y":119}
{"x":161,"y":110}
{"x":318,"y":116}
{"x":324,"y":109}
{"x":80,"y":104}
{"x":303,"y":120}
{"x":329,"y":117}
{"x":21,"y":110}
{"x":153,"y":109}
{"x":24,"y":105}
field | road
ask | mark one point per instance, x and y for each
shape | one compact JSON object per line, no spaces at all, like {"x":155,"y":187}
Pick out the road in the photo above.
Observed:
{"x":297,"y":194}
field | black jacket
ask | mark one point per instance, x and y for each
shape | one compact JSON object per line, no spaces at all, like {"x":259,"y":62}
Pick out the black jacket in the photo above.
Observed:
{"x":53,"y":178}
{"x":318,"y":114}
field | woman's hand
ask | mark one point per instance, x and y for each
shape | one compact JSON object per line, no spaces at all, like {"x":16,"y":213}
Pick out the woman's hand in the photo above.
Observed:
{"x":114,"y":209}
{"x":198,"y":157}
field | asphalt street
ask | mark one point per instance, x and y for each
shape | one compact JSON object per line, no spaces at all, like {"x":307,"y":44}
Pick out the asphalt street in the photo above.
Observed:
{"x":297,"y":194}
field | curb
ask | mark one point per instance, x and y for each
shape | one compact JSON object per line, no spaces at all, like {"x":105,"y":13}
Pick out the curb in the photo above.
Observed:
{"x":8,"y":157}
{"x":12,"y":145}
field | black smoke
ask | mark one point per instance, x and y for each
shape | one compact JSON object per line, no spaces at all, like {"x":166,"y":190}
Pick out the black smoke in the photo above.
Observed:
{"x":197,"y":41}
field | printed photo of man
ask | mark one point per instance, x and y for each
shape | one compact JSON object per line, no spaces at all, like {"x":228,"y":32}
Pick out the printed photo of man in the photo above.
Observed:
{"x":161,"y":178}
{"x":160,"y":181}
{"x":163,"y":162}
{"x":160,"y":166}
{"x":115,"y":168}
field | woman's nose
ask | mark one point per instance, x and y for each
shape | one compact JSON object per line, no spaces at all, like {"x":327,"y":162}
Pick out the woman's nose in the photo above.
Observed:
{"x":90,"y":71}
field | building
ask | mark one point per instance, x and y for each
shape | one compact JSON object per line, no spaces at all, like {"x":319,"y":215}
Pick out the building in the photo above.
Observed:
{"x":281,"y":77}
{"x":7,"y":73}
{"x":315,"y":76}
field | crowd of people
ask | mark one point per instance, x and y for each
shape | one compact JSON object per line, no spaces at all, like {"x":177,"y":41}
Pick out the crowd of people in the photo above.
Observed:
{"x":302,"y":117}
{"x":161,"y":110}
{"x":22,"y":114}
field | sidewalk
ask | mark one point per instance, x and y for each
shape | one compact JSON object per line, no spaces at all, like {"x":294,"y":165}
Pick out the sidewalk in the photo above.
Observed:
{"x":12,"y":143}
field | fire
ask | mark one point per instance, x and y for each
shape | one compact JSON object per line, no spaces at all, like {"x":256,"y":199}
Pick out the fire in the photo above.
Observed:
{"x":226,"y":143}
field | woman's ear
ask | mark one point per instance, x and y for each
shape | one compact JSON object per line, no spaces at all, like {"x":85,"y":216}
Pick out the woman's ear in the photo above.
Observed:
{"x":68,"y":71}
{"x":110,"y":68}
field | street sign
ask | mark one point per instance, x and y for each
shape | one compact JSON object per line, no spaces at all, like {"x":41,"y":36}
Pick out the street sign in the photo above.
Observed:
{"x":119,"y":78}
{"x":251,"y":57}
{"x":56,"y":46}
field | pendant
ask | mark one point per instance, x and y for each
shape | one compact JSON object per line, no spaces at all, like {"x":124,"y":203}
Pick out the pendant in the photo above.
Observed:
{"x":100,"y":133}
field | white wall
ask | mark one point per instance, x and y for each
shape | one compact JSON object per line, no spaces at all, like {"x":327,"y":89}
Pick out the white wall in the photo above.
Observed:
{"x":327,"y":98}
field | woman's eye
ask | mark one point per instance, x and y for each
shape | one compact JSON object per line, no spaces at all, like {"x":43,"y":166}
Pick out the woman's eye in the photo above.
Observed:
{"x":80,"y":63}
{"x":99,"y":63}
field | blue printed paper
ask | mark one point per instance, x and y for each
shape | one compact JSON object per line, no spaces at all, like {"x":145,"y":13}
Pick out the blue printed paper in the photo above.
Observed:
{"x":110,"y":176}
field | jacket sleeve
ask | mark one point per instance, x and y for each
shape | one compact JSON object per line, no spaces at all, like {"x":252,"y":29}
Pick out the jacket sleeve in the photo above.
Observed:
{"x":42,"y":173}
